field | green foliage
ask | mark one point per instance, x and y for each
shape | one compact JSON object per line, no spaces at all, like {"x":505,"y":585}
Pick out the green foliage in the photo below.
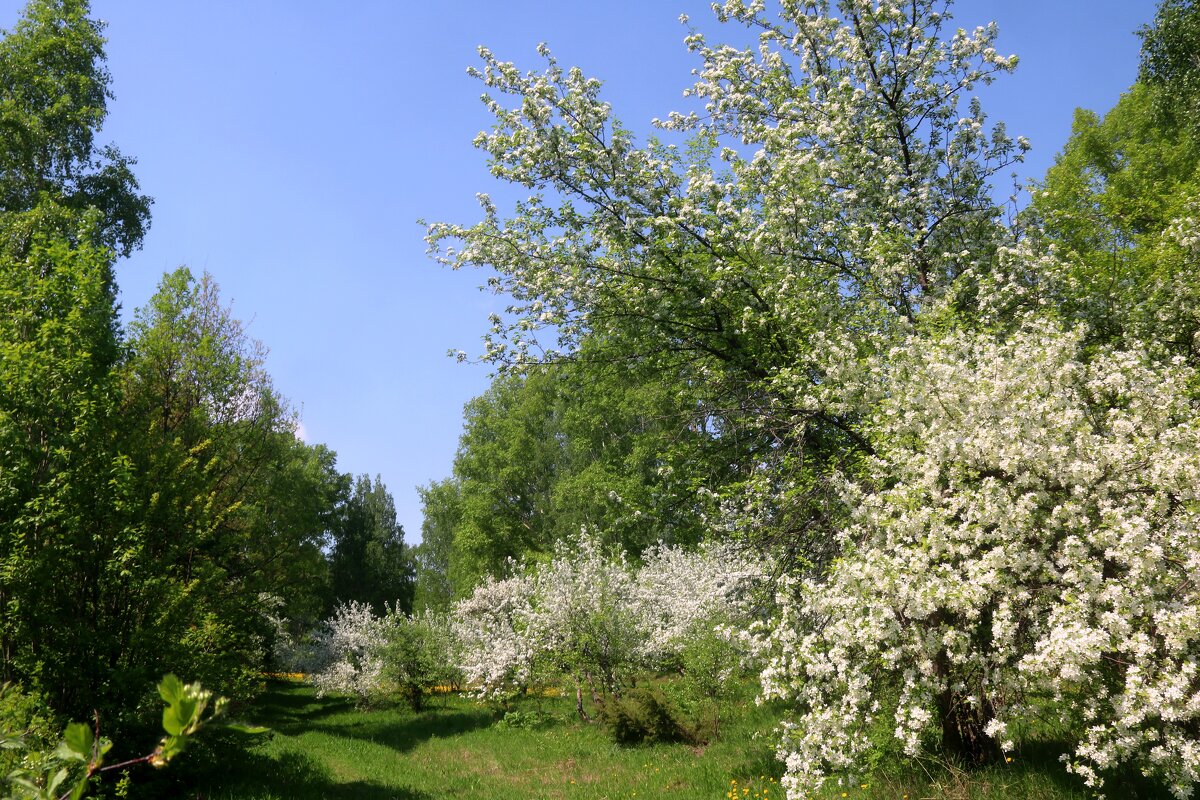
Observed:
{"x":53,"y":101}
{"x":80,"y":754}
{"x":643,"y":715}
{"x":1109,"y":205}
{"x":62,"y":481}
{"x":29,"y":733}
{"x":1169,"y":63}
{"x":1121,"y":202}
{"x":613,"y":447}
{"x":417,"y":656}
{"x":524,"y":720}
{"x":441,"y":515}
{"x":369,"y":562}
{"x":707,"y":660}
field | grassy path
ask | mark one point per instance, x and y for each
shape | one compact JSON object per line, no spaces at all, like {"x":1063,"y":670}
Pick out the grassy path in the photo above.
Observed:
{"x":326,"y":749}
{"x":329,"y":750}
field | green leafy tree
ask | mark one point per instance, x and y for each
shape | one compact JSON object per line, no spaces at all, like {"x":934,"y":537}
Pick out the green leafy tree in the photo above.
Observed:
{"x":441,"y":508}
{"x":203,"y":429}
{"x":1170,"y":65}
{"x":617,"y":448}
{"x":369,"y":562}
{"x":65,"y":492}
{"x":1121,"y":203}
{"x":54,"y":89}
{"x":291,"y":514}
{"x":61,"y":481}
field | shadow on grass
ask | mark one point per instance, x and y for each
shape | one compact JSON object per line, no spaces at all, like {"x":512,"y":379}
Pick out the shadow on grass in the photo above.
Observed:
{"x":225,"y":769}
{"x":402,"y":731}
{"x":293,"y":776}
{"x":1035,"y":773}
{"x":291,"y":709}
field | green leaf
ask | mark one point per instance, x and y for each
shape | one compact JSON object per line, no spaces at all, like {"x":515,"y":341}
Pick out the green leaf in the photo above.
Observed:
{"x":170,"y":688}
{"x":173,"y":721}
{"x":56,"y":781}
{"x":77,"y":743}
{"x":250,"y":729}
{"x":80,"y":788}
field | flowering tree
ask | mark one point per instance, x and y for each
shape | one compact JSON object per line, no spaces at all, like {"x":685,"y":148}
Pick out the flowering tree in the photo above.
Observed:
{"x":835,"y":180}
{"x":596,"y":619}
{"x":996,"y":511}
{"x":679,"y":594}
{"x":345,"y":653}
{"x":496,"y":654}
{"x":1030,"y":548}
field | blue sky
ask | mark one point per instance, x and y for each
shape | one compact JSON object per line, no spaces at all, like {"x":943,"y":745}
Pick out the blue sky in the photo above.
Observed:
{"x":292,"y":145}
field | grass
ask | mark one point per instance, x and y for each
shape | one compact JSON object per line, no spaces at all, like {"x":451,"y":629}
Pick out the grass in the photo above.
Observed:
{"x":326,"y":749}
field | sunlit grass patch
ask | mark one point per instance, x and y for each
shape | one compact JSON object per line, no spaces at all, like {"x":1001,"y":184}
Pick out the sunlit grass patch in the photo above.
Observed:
{"x":327,"y":749}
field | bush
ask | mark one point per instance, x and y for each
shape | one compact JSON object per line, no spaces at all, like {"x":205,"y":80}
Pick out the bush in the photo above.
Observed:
{"x":25,"y":717}
{"x":416,"y":656}
{"x":643,"y":716}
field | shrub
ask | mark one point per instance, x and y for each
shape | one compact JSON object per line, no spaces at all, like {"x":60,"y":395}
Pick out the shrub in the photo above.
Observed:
{"x":345,"y":652}
{"x":643,"y":716}
{"x":416,"y":655}
{"x":25,"y":718}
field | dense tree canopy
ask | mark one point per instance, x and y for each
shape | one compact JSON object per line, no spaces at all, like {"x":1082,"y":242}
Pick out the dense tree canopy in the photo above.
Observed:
{"x":54,"y":89}
{"x":369,"y":562}
{"x":155,"y":502}
{"x":977,"y":469}
{"x":619,"y":449}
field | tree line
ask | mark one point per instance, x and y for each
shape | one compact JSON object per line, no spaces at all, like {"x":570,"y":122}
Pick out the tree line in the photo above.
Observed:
{"x":156,"y":504}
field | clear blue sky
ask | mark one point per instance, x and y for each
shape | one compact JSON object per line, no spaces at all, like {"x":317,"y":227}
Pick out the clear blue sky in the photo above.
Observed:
{"x":291,"y":146}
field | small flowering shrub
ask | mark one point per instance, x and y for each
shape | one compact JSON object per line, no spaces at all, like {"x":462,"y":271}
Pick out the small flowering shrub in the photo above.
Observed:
{"x":345,"y":654}
{"x":581,"y":619}
{"x":496,"y":652}
{"x":597,"y":620}
{"x":679,"y":594}
{"x":354,"y":652}
{"x":1031,"y":547}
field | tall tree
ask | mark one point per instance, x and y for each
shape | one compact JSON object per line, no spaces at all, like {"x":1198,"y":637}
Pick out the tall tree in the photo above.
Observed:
{"x":835,"y":188}
{"x":369,"y":562}
{"x":1170,"y":64}
{"x":65,"y":206}
{"x":61,"y":481}
{"x":441,"y":509}
{"x":619,"y":448}
{"x":54,"y":89}
{"x":1121,"y":203}
{"x":212,"y":446}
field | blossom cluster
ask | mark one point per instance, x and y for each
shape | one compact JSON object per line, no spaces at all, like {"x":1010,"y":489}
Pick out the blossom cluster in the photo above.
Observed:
{"x":596,"y":617}
{"x":358,"y":653}
{"x":1030,"y":547}
{"x":345,"y":653}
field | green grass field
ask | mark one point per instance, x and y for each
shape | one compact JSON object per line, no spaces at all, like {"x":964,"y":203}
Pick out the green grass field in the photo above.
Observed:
{"x":326,"y":749}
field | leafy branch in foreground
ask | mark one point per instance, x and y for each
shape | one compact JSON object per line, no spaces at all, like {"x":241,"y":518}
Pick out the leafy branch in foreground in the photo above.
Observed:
{"x":79,"y":757}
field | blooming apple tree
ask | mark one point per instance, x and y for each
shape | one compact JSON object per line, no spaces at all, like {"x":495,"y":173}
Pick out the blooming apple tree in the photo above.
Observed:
{"x":834,"y":179}
{"x":594,"y":618}
{"x":1030,"y":547}
{"x":679,"y":594}
{"x":496,"y":652}
{"x":344,"y":656}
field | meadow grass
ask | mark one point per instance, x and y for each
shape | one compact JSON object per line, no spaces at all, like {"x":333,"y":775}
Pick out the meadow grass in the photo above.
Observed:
{"x":327,"y":749}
